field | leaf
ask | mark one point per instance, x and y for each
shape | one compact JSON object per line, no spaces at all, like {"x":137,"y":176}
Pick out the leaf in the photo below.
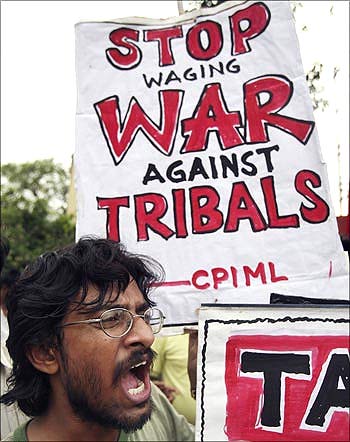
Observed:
{"x":33,"y":210}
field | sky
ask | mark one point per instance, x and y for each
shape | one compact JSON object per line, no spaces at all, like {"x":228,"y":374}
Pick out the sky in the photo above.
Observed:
{"x":38,"y":89}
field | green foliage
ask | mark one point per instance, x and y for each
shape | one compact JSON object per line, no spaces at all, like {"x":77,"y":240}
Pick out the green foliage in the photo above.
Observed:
{"x":315,"y":89}
{"x":33,"y":210}
{"x":295,"y":5}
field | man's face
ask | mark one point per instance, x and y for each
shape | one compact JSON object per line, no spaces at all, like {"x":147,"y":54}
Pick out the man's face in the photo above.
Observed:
{"x":98,"y":372}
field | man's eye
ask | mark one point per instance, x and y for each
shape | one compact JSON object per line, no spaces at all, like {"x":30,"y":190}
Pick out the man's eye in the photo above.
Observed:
{"x":113,"y":319}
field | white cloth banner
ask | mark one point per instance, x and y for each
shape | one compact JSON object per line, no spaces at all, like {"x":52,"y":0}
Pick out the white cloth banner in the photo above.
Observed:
{"x":196,"y":145}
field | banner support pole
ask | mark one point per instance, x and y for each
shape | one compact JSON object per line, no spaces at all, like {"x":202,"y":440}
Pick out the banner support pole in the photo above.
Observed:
{"x":180,"y":7}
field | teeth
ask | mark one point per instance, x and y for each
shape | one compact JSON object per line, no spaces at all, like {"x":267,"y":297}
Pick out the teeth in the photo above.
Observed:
{"x":138,"y":389}
{"x":138,"y":365}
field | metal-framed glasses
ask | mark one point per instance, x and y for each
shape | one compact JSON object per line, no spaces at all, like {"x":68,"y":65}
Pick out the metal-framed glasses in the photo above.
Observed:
{"x":117,"y":322}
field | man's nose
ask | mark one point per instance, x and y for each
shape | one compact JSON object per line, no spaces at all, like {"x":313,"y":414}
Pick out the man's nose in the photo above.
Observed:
{"x":140,"y":333}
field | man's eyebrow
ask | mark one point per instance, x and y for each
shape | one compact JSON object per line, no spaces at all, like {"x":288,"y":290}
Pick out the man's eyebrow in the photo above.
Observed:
{"x":98,"y":310}
{"x":142,"y":308}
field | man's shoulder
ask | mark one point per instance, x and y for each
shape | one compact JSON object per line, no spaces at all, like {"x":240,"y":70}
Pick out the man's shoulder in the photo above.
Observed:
{"x":18,"y":435}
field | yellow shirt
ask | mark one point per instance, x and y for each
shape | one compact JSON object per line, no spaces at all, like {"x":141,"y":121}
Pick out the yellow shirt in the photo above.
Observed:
{"x":171,"y":367}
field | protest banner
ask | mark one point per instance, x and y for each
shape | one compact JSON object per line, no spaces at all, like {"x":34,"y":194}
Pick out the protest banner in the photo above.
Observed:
{"x":196,"y":144}
{"x":273,"y":373}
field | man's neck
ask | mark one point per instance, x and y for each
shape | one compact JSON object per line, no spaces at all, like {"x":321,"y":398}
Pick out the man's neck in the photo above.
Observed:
{"x":61,"y":423}
{"x":61,"y":426}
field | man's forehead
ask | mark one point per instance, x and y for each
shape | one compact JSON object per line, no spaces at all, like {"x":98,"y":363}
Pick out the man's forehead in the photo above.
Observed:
{"x":130,"y":298}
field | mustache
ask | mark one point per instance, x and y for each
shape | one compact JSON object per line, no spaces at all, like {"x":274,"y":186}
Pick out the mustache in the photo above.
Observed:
{"x":135,"y":358}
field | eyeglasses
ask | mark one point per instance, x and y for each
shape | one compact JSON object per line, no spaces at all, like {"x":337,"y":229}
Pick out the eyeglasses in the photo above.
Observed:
{"x":117,"y":322}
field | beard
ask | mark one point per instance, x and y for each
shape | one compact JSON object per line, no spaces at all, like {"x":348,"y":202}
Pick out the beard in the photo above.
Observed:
{"x":84,"y":392}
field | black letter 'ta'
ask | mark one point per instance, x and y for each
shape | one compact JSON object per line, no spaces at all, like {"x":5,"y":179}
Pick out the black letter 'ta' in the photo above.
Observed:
{"x":272,"y":365}
{"x":331,"y":394}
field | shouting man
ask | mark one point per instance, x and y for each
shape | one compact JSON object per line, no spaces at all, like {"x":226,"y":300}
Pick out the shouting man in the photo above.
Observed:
{"x":81,"y":326}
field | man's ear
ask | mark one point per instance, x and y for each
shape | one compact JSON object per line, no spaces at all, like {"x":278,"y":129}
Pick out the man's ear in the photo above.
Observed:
{"x":43,"y":358}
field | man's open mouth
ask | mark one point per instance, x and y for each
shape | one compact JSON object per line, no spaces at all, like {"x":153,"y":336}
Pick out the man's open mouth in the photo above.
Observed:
{"x":138,"y":371}
{"x":136,"y":382}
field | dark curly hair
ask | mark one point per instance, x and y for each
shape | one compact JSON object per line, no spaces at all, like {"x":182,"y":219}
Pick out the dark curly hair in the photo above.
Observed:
{"x":4,"y":251}
{"x":40,"y":299}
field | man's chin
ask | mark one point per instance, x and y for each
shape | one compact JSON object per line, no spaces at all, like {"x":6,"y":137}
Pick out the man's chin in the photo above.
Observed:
{"x":135,"y":421}
{"x":115,"y":416}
